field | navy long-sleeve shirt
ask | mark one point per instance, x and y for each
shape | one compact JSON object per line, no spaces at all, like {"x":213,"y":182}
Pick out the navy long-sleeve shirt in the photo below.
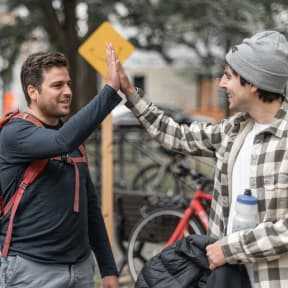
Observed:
{"x":46,"y":229}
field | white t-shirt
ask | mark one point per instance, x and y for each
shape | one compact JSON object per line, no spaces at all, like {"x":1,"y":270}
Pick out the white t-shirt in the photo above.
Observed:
{"x":241,"y":176}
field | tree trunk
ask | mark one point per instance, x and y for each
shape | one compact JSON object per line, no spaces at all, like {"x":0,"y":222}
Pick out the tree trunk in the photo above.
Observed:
{"x":86,"y":83}
{"x":83,"y":76}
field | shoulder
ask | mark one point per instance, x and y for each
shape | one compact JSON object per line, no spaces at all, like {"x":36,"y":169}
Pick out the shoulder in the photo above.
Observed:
{"x":15,"y":129}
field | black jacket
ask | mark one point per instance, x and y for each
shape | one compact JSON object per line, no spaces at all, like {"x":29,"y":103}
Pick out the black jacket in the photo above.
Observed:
{"x":185,"y":265}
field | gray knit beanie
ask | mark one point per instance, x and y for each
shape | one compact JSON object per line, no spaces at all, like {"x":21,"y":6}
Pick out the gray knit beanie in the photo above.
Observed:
{"x":262,"y":60}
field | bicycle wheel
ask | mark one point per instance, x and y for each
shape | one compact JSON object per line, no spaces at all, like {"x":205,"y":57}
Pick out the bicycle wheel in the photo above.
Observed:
{"x":152,"y":179}
{"x":150,"y":234}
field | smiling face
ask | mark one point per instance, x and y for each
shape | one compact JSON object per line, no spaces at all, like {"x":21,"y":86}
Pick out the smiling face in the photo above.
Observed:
{"x":240,"y":97}
{"x":52,"y":100}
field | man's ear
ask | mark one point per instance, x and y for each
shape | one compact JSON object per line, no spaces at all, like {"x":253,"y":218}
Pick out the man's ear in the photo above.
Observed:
{"x":254,"y":89}
{"x":32,"y":92}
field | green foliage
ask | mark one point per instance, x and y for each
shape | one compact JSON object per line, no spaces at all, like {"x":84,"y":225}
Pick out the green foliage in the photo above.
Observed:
{"x":206,"y":27}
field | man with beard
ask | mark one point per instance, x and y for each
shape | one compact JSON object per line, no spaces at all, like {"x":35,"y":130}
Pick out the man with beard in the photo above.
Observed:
{"x":58,"y":227}
{"x":250,"y":150}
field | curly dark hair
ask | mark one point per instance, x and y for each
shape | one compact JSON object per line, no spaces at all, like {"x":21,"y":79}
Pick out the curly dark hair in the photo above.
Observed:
{"x":34,"y":66}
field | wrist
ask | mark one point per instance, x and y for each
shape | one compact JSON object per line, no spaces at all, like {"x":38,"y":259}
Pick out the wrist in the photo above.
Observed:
{"x":114,"y":87}
{"x":131,"y":90}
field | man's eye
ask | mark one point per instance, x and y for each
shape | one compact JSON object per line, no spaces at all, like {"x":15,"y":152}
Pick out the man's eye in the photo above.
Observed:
{"x":58,"y":85}
{"x":227,"y":76}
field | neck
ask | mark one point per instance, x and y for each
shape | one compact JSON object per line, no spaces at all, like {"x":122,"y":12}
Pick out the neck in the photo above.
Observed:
{"x":52,"y":121}
{"x":264,"y":113}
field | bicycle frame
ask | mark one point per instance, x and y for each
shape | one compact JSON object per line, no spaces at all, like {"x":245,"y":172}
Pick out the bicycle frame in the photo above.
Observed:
{"x":195,"y":208}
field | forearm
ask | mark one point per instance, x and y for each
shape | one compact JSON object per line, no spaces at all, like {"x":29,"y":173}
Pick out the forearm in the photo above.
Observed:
{"x":200,"y":139}
{"x":101,"y":246}
{"x":25,"y":141}
{"x":267,"y":242}
{"x":83,"y":123}
{"x":98,"y":237}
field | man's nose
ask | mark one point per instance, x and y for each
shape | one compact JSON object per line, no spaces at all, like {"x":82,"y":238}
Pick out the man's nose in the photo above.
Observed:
{"x":67,"y":90}
{"x":222,"y":82}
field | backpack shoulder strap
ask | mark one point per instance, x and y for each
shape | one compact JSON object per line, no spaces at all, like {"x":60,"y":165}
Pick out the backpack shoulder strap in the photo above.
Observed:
{"x":6,"y":118}
{"x":28,"y":117}
{"x":30,"y":174}
{"x":22,"y":115}
{"x":34,"y":169}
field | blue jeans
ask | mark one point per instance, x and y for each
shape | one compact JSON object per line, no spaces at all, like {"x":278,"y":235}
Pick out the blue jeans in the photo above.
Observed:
{"x":18,"y":272}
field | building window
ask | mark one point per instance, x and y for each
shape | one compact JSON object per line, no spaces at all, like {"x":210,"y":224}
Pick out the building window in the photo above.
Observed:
{"x":139,"y":81}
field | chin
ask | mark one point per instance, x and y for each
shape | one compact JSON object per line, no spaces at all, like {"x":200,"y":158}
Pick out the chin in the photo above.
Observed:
{"x":233,"y":108}
{"x":65,"y":112}
{"x":61,"y":114}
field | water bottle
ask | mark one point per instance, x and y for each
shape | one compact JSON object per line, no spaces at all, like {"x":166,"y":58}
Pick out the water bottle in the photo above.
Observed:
{"x":246,"y":216}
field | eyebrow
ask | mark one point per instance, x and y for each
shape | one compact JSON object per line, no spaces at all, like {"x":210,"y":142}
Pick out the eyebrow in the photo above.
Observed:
{"x":60,"y":82}
{"x":226,"y":72}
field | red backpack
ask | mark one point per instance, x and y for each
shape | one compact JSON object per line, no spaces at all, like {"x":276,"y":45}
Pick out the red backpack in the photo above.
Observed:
{"x":34,"y":169}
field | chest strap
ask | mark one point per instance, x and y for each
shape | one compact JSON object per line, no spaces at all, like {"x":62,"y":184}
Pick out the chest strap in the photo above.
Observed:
{"x":74,"y":161}
{"x":34,"y":169}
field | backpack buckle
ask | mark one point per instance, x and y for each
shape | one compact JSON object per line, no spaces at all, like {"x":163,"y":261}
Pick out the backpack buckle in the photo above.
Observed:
{"x":65,"y":157}
{"x":23,"y":185}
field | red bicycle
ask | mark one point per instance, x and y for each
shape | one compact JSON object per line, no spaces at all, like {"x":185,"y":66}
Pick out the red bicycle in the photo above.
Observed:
{"x":162,"y":227}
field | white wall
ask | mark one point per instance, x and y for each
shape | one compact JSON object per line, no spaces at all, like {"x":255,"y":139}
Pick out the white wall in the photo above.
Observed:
{"x":167,"y":85}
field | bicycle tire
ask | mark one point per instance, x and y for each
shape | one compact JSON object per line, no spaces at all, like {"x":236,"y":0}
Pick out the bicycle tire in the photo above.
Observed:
{"x":135,"y":241}
{"x":143,"y":181}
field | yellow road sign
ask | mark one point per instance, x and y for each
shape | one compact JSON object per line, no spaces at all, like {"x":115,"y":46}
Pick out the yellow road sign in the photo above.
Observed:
{"x":94,"y":48}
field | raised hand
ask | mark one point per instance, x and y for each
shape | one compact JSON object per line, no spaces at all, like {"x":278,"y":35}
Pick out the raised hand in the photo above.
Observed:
{"x":116,"y":72}
{"x":125,"y":85}
{"x":112,"y":78}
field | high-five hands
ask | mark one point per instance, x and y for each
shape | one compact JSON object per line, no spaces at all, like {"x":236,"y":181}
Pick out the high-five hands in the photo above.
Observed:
{"x":115,"y":67}
{"x":112,"y":78}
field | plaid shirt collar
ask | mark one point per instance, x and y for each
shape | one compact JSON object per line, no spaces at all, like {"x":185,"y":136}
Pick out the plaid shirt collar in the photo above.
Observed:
{"x":280,"y":124}
{"x":278,"y":127}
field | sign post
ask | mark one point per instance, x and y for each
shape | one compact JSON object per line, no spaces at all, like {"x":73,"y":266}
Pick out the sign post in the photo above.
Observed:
{"x":93,"y":50}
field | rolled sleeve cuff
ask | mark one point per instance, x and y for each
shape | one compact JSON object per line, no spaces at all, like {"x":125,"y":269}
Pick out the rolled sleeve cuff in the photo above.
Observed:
{"x":232,"y":248}
{"x":107,"y":88}
{"x":137,"y":103}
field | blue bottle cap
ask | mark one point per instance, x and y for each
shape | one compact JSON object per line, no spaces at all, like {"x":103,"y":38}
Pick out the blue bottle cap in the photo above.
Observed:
{"x":247,"y":199}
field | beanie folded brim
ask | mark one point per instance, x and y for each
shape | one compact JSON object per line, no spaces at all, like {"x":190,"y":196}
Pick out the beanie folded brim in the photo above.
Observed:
{"x":261,"y":79}
{"x":262,"y":60}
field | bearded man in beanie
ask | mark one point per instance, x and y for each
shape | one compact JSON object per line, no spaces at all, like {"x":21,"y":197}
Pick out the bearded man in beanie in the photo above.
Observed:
{"x":251,"y":152}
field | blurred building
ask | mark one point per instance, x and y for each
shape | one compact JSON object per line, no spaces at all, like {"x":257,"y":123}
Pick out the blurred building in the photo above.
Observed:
{"x":176,"y":85}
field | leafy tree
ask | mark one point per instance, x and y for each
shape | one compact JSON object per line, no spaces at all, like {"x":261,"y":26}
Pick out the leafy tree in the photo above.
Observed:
{"x":58,"y":22}
{"x":208,"y":28}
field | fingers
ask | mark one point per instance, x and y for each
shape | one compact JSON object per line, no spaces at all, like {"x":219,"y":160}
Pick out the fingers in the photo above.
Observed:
{"x":108,"y":54}
{"x":112,"y":58}
{"x":212,"y":267}
{"x":113,"y":66}
{"x":211,"y":264}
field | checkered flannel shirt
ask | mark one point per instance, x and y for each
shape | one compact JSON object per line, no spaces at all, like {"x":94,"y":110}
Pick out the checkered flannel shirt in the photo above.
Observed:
{"x":267,"y":244}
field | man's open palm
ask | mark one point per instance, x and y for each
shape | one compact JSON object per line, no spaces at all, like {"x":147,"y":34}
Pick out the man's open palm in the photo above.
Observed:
{"x":112,"y":61}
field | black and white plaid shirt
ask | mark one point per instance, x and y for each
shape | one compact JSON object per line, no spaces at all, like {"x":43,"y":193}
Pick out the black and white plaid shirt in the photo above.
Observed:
{"x":267,"y":244}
